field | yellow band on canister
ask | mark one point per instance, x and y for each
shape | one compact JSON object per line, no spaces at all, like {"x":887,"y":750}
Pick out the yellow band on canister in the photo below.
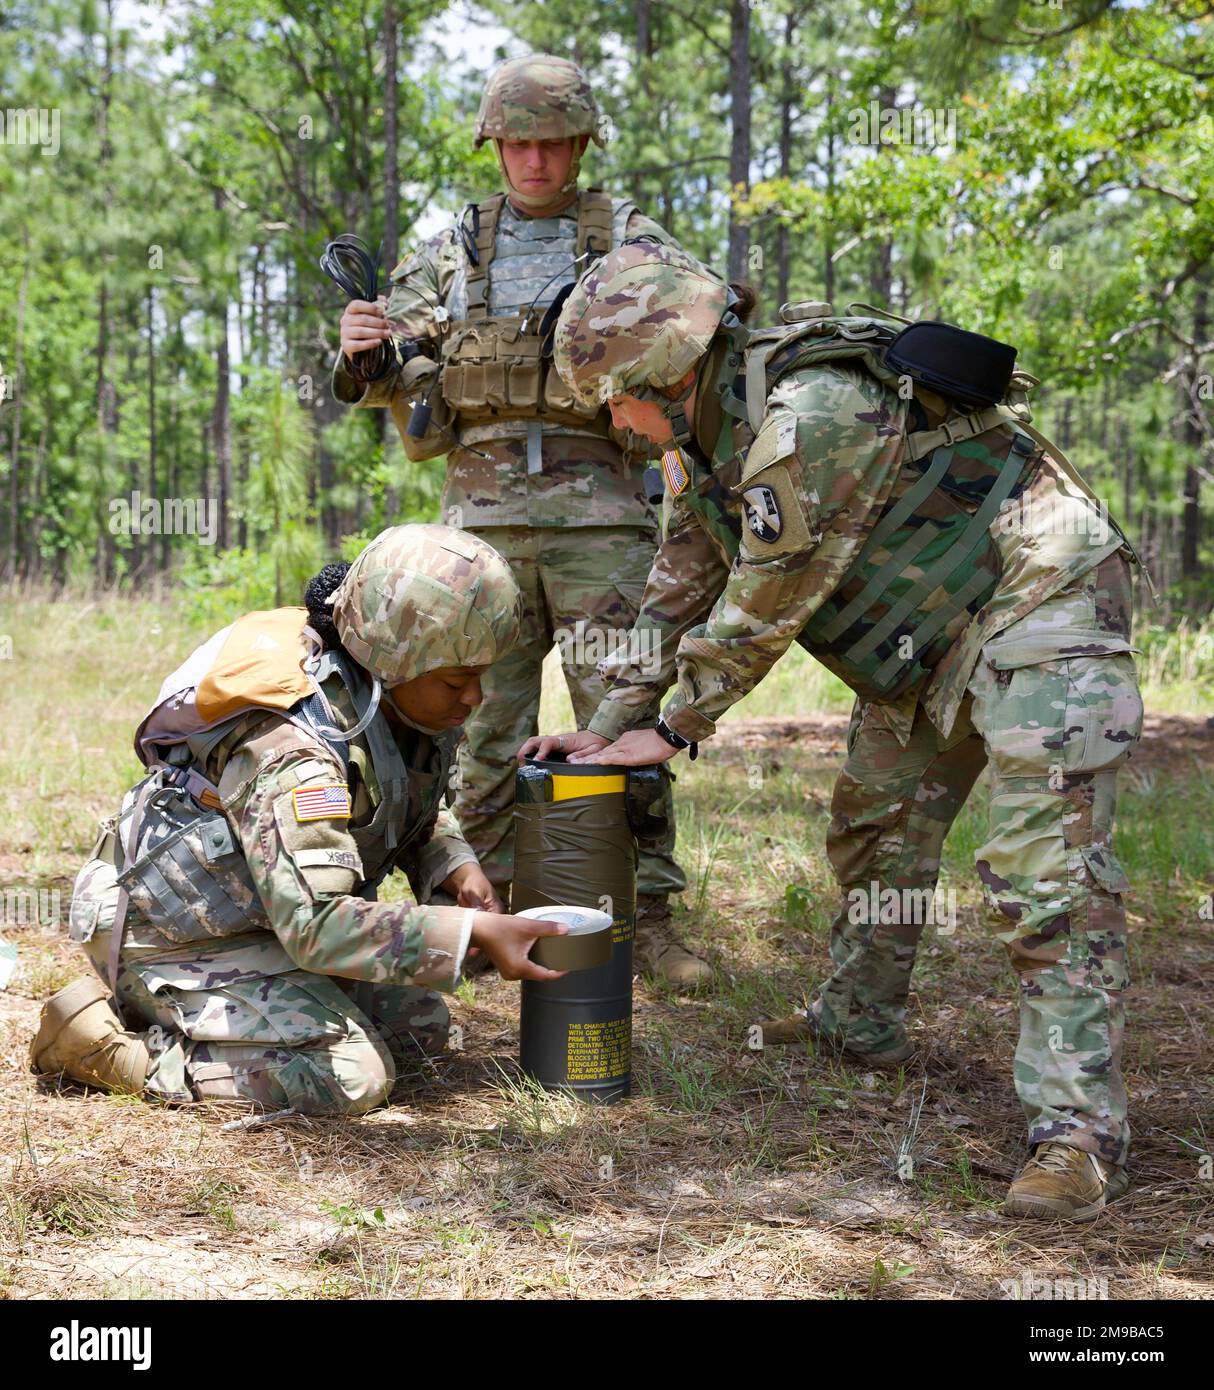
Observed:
{"x":565,"y":788}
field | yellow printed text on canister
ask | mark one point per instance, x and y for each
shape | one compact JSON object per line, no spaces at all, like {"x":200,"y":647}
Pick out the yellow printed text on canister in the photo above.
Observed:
{"x":599,"y":1050}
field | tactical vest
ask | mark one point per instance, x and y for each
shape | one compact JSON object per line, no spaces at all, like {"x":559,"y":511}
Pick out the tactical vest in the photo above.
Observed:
{"x":929,"y":563}
{"x":179,"y":862}
{"x":493,"y":366}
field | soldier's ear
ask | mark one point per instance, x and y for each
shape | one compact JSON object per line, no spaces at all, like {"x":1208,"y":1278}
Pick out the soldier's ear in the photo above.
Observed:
{"x":582,"y":142}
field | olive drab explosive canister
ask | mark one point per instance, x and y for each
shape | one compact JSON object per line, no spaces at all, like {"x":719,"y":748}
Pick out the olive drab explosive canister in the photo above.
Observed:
{"x":575,"y":843}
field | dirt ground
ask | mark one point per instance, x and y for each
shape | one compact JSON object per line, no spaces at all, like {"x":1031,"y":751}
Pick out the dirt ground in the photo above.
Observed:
{"x":731,"y":1173}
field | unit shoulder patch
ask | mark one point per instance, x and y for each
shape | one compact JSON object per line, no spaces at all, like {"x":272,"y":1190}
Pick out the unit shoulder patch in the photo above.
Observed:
{"x":763,"y":513}
{"x":768,"y":491}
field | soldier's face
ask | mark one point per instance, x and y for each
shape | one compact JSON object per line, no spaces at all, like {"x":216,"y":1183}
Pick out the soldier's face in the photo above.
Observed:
{"x":642,"y":417}
{"x":538,"y":168}
{"x":440,"y":699}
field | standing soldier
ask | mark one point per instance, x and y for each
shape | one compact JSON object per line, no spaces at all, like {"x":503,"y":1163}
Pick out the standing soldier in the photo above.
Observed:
{"x":881,"y":497}
{"x":547,"y":481}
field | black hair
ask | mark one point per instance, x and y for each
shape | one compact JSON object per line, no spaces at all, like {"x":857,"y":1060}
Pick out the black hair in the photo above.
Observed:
{"x":748,"y":297}
{"x":320,"y":616}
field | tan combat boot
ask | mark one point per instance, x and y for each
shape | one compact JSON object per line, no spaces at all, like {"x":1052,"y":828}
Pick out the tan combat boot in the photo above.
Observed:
{"x":82,"y":1035}
{"x":1064,"y":1183}
{"x":803,"y":1025}
{"x":659,"y":954}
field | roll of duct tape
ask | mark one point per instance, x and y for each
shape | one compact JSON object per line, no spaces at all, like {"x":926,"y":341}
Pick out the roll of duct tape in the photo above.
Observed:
{"x":588,"y":943}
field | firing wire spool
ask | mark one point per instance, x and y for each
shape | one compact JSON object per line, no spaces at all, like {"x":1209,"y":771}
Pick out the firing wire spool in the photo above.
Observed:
{"x":348,"y":262}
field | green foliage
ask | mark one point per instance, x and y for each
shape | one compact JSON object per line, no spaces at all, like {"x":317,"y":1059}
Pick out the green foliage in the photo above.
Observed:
{"x":1065,"y":204}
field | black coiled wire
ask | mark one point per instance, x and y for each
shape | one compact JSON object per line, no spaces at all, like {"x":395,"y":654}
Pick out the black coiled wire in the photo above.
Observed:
{"x":348,"y":262}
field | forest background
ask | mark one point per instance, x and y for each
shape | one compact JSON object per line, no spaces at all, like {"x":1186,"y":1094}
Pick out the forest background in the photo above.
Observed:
{"x":1039,"y":170}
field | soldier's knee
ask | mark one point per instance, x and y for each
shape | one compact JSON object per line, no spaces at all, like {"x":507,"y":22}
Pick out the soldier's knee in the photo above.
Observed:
{"x":348,"y":1077}
{"x":364,"y":1074}
{"x":368,"y":1090}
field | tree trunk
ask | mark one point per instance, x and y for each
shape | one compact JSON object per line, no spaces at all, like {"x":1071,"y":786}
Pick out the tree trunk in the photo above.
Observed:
{"x":1126,"y":450}
{"x":150,"y":557}
{"x":644,"y":52}
{"x":828,"y":230}
{"x":739,"y":147}
{"x":882,"y":278}
{"x":32,"y":566}
{"x":172,"y":483}
{"x":14,"y":477}
{"x":1190,"y":557}
{"x":221,"y":427}
{"x":205,"y":440}
{"x":783,"y":238}
{"x":242,"y":487}
{"x":106,"y":400}
{"x":391,"y":213}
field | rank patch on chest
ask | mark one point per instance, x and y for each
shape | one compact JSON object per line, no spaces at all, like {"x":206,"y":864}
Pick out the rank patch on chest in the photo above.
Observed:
{"x":763,"y":513}
{"x":330,"y":802}
{"x":676,"y":471}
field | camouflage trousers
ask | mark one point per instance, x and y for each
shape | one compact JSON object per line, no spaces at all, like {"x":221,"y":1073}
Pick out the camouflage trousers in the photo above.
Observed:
{"x":581,"y":589}
{"x":236,"y":1022}
{"x":1054,"y":731}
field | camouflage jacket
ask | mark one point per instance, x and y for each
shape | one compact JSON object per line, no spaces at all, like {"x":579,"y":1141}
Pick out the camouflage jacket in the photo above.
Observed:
{"x":308,"y":873}
{"x":585,"y":481}
{"x":727,"y":603}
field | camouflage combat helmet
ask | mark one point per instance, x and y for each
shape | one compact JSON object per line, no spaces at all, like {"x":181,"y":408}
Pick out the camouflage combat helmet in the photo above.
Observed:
{"x":422,"y":596}
{"x":540,"y":97}
{"x":638,"y":320}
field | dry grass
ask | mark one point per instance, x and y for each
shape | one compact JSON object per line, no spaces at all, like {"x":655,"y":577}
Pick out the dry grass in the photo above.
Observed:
{"x":731,"y":1173}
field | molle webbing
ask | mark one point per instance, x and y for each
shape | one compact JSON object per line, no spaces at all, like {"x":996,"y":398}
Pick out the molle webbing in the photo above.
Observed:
{"x":387,"y":825}
{"x":494,"y":365}
{"x":478,"y":274}
{"x":910,"y":555}
{"x":593,"y":233}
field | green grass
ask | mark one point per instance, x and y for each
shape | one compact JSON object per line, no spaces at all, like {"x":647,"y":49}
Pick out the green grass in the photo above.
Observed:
{"x":728,"y":1165}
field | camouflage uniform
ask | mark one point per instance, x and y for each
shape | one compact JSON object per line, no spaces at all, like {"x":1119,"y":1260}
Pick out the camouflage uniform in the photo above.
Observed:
{"x":561,"y":499}
{"x":1039,"y":682}
{"x":317,"y":997}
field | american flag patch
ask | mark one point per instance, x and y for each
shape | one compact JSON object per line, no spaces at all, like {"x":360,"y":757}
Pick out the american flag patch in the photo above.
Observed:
{"x":677,"y":476}
{"x":322,"y":803}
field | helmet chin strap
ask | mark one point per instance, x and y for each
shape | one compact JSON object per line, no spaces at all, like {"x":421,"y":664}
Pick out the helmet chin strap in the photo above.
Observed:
{"x":537,"y":205}
{"x":732,"y":335}
{"x":331,"y":730}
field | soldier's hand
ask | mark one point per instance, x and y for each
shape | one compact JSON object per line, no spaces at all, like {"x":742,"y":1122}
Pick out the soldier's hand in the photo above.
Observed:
{"x":544,"y":745}
{"x":470,"y":888}
{"x":507,"y":941}
{"x":363,"y":327}
{"x":637,"y":748}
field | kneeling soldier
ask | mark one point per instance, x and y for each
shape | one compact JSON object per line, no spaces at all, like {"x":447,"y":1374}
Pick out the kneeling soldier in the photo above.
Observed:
{"x":296,"y":759}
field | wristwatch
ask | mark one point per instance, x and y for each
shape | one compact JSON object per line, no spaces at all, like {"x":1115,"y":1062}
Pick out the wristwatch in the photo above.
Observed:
{"x":663,"y":730}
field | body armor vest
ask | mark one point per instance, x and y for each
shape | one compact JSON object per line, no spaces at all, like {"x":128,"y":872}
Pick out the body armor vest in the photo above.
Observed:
{"x":494,"y":367}
{"x":929,"y":563}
